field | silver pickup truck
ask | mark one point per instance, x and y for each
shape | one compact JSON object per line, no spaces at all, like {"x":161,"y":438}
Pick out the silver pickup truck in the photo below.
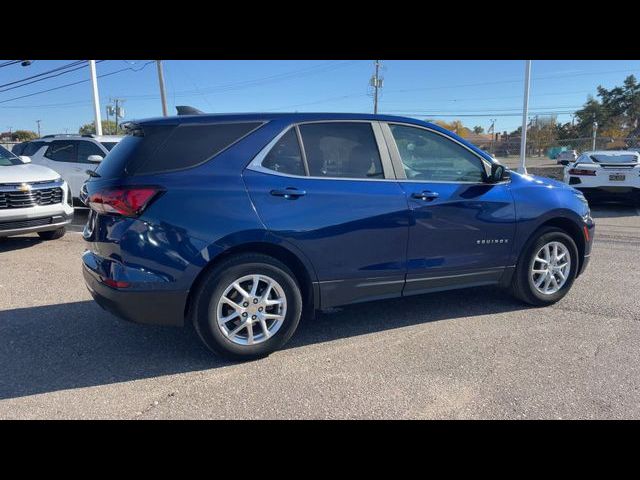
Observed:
{"x":33,"y":198}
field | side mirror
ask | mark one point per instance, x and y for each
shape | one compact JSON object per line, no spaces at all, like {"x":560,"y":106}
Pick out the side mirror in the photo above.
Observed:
{"x":25,"y":159}
{"x":497,"y":173}
{"x":95,"y":158}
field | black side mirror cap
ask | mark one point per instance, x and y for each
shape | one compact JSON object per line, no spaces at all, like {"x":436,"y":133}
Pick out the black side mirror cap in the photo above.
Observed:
{"x":497,"y":173}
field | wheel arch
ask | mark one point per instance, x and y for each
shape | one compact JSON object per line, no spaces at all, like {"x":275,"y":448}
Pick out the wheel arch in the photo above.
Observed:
{"x":310,"y":294}
{"x":570,"y":227}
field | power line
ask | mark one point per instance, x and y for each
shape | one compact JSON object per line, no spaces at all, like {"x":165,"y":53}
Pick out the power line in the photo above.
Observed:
{"x":80,"y":67}
{"x":69,"y":65}
{"x":222,"y":88}
{"x":75,"y":83}
{"x":10,"y":62}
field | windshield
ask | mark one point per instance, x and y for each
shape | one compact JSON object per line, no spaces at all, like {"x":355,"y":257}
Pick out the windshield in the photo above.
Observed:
{"x":7,"y":158}
{"x":109,"y":145}
{"x":614,"y":158}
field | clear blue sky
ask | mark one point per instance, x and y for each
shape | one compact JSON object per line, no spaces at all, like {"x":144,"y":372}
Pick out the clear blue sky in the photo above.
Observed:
{"x":472,"y":91}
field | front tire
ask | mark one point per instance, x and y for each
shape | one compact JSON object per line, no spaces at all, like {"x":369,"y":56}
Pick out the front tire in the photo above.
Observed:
{"x":53,"y":234}
{"x":248,"y":306}
{"x":547,"y":268}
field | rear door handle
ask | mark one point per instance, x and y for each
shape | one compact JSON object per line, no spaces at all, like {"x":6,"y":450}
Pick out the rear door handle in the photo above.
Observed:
{"x":288,"y":193}
{"x":426,"y":195}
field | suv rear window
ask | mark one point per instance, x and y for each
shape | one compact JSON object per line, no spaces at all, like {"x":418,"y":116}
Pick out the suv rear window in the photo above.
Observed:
{"x":165,"y":148}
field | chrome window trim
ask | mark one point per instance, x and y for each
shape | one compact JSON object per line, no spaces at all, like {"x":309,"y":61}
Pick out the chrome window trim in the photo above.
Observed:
{"x":399,"y":166}
{"x":387,"y":165}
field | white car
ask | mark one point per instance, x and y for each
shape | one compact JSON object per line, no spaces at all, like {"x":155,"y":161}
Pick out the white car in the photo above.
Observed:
{"x":608,"y":174}
{"x":70,"y":155}
{"x":33,"y":198}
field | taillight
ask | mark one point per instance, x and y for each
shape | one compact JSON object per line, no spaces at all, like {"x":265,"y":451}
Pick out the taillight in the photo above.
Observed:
{"x":125,"y":201}
{"x":581,"y":171}
{"x":115,"y":283}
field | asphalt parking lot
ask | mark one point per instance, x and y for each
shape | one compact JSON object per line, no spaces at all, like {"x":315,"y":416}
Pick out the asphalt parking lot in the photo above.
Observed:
{"x":466,"y":354}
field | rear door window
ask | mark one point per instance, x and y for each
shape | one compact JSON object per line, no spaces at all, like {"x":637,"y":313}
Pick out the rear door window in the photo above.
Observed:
{"x":341,"y":150}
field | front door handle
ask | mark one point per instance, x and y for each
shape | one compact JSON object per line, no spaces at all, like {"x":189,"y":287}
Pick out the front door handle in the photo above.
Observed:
{"x":426,"y":195}
{"x":288,"y":193}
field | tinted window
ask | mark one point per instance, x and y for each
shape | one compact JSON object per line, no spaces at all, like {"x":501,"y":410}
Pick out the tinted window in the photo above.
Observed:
{"x":432,"y":157}
{"x":61,"y":151}
{"x":285,"y":156}
{"x":18,"y":148}
{"x":614,"y":158}
{"x":31,"y":148}
{"x":85,"y":149}
{"x":7,"y":158}
{"x":109,"y":145}
{"x":190,"y":145}
{"x":341,"y":149}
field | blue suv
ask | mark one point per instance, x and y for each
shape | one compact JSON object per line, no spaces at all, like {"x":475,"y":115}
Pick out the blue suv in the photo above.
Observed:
{"x":243,"y":223}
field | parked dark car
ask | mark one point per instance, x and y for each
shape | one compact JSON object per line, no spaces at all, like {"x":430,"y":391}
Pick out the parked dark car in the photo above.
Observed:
{"x":241,"y":224}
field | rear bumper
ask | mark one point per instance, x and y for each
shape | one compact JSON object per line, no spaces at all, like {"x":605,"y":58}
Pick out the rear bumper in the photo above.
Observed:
{"x":145,"y":307}
{"x":32,"y":225}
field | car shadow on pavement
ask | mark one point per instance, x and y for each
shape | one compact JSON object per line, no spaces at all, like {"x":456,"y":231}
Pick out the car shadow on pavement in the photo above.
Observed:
{"x":613,"y":210}
{"x":16,"y":243}
{"x":73,"y":345}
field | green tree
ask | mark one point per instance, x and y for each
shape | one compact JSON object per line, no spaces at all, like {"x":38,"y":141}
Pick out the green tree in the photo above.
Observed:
{"x":23,"y":135}
{"x":108,"y":127}
{"x":478,"y":130}
{"x":616,"y":110}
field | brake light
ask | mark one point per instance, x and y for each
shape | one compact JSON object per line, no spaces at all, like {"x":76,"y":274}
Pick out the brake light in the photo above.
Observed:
{"x":115,"y":283}
{"x":125,"y":201}
{"x":581,"y":171}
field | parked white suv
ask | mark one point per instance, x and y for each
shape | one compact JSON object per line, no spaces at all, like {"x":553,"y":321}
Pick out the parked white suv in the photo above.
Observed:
{"x":33,"y":198}
{"x":70,"y":155}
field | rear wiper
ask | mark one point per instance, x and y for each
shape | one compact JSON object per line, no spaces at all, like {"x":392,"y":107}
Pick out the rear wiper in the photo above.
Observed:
{"x":93,"y":174}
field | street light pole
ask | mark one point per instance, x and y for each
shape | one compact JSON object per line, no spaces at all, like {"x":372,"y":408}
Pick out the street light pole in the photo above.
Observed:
{"x":595,"y":131}
{"x":163,"y":96}
{"x":38,"y":122}
{"x":525,"y":112}
{"x":96,"y":98}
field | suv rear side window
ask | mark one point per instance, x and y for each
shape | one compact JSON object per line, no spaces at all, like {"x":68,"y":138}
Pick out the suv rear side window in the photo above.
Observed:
{"x":430,"y":156}
{"x":341,"y":149}
{"x":285,"y":156}
{"x":164,"y":148}
{"x":189,"y":145}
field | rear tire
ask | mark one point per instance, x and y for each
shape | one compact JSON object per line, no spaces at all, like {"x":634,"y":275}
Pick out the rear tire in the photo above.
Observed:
{"x":53,"y":234}
{"x":525,"y":277}
{"x":270,"y":312}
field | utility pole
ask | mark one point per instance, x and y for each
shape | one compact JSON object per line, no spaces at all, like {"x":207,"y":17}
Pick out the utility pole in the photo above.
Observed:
{"x":493,"y":134}
{"x":595,"y":132}
{"x":117,"y":110}
{"x":106,"y":108}
{"x":163,"y":95}
{"x":525,"y":112}
{"x":96,"y":98}
{"x":38,"y":122}
{"x":376,"y":83}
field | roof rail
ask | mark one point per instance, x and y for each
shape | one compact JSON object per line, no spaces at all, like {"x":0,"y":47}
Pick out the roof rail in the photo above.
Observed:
{"x":54,"y":135}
